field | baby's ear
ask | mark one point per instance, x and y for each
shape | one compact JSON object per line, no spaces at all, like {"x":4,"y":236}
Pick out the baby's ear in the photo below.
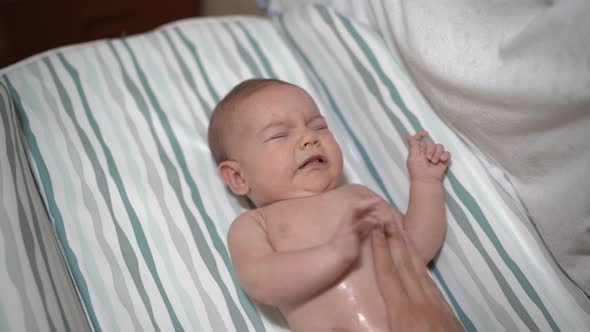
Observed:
{"x":232,"y":176}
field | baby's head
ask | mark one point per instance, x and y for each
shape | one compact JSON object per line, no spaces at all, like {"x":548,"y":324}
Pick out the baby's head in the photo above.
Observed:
{"x":271,"y":143}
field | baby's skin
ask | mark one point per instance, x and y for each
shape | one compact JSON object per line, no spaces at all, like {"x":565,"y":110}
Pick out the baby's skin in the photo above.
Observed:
{"x":304,"y":249}
{"x":336,"y":221}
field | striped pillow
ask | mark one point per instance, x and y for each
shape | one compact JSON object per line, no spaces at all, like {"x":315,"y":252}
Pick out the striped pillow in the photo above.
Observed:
{"x":116,"y":132}
{"x":37,"y":292}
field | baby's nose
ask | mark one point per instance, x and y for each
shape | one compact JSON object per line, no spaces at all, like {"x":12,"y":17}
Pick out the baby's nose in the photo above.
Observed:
{"x":308,"y":140}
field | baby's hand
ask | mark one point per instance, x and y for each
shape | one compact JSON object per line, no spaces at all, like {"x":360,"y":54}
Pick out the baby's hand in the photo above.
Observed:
{"x":427,"y":161}
{"x":360,"y":220}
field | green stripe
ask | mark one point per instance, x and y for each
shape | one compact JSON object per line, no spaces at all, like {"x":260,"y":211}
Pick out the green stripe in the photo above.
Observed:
{"x":465,"y":196}
{"x":186,"y":73}
{"x":27,"y":235}
{"x":244,"y":54}
{"x":117,"y":95}
{"x":245,"y":302}
{"x":15,"y":271}
{"x":259,"y":54}
{"x":370,"y":82}
{"x":197,"y":234}
{"x":100,"y":177}
{"x":114,"y":172}
{"x":193,"y":50}
{"x":467,"y":228}
{"x":70,"y":201}
{"x":476,"y":212}
{"x":395,"y":95}
{"x":52,"y":204}
{"x":497,"y":308}
{"x":163,"y":87}
{"x":3,"y":319}
{"x":467,"y":323}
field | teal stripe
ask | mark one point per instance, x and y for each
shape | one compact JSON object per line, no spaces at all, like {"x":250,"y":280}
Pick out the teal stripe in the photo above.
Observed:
{"x":95,"y":275}
{"x":336,"y":110}
{"x":193,"y":51}
{"x":28,"y":239}
{"x":52,"y":204}
{"x":201,"y":243}
{"x":467,"y":323}
{"x":117,"y":95}
{"x":162,"y":86}
{"x":100,"y":177}
{"x":465,"y":197}
{"x":497,"y":308}
{"x":218,"y":244}
{"x":244,"y":54}
{"x":370,"y":82}
{"x":476,"y":212}
{"x":43,"y":247}
{"x":114,"y":172}
{"x":256,"y":71}
{"x":467,"y":228}
{"x":186,"y":73}
{"x":395,"y":95}
{"x":258,"y":50}
{"x":16,"y":273}
{"x":176,"y":233}
{"x":3,"y":319}
{"x":371,"y":85}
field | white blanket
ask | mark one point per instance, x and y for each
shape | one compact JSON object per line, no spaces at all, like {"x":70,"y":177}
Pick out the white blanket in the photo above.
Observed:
{"x":513,"y":77}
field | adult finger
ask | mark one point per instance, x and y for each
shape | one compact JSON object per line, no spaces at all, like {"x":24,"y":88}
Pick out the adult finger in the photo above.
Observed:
{"x":387,"y":276}
{"x":403,"y":261}
{"x":366,"y":205}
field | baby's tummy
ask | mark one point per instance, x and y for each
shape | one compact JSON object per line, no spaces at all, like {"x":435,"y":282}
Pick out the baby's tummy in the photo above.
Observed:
{"x":354,"y":304}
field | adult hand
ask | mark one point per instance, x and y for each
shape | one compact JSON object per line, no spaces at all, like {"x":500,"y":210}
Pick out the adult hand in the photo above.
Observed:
{"x":413,"y":301}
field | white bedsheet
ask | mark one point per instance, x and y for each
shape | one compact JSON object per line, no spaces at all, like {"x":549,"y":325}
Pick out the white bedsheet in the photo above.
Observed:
{"x":513,"y":77}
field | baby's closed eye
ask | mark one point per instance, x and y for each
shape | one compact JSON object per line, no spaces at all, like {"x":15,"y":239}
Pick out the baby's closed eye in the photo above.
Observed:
{"x":318,"y":125}
{"x":278,"y":135}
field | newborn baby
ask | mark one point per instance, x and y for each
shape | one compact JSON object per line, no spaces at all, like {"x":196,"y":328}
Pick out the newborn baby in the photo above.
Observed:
{"x":304,"y":249}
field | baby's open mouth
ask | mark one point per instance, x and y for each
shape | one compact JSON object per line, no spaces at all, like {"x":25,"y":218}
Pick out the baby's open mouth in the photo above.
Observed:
{"x":313,"y":160}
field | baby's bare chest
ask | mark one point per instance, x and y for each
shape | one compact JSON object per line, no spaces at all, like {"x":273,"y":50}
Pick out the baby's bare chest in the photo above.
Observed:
{"x":306,"y":223}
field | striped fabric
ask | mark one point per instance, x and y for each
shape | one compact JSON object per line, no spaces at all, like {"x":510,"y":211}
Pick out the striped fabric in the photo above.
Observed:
{"x":116,"y":134}
{"x":37,"y":293}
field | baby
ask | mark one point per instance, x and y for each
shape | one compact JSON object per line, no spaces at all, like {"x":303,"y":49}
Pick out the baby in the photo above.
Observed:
{"x":303,"y":248}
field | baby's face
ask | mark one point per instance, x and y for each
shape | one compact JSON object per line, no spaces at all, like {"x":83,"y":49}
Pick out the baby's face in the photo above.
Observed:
{"x":284,"y":147}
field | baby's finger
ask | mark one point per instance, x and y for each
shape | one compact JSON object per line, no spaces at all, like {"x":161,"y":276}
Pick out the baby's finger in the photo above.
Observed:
{"x":366,"y":225}
{"x":429,"y":149}
{"x":446,"y":156}
{"x":414,"y":140}
{"x":414,"y":145}
{"x":438,"y":151}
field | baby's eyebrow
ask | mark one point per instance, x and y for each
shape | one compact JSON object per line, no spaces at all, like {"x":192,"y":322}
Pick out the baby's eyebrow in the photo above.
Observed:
{"x":316,"y":117}
{"x":270,"y":125}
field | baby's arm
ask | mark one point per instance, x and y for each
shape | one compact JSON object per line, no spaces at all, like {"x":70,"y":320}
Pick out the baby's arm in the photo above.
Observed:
{"x":280,"y":278}
{"x":425,"y":220}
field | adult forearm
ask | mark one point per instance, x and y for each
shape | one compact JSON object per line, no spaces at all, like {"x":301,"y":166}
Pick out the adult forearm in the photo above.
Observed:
{"x":425,"y":221}
{"x":289,"y":277}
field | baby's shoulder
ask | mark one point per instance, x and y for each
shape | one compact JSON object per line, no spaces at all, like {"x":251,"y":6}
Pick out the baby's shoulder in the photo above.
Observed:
{"x":248,"y":219}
